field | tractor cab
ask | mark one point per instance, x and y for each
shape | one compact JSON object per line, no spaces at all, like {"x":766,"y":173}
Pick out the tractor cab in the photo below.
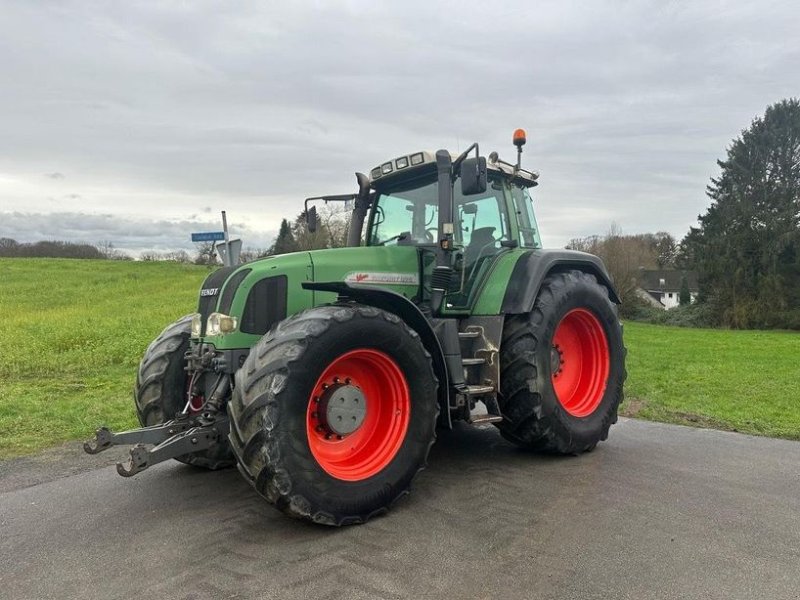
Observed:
{"x":487,"y":221}
{"x":460,"y":212}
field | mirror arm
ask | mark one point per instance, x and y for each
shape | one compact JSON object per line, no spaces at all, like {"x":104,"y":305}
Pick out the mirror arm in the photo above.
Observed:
{"x":457,"y":162}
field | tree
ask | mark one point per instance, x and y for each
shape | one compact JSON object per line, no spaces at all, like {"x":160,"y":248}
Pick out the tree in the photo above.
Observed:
{"x":333,"y":221}
{"x":206,"y":255}
{"x":623,"y":256}
{"x":747,"y":245}
{"x":684,"y":295}
{"x":9,"y":247}
{"x":111,"y":252}
{"x":285,"y":241}
{"x":666,"y":249}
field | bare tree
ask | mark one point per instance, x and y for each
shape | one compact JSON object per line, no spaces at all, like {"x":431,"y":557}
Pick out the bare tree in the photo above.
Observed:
{"x":206,"y":254}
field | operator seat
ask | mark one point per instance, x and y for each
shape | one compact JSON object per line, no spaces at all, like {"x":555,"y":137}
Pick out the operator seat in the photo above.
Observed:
{"x":481,"y":243}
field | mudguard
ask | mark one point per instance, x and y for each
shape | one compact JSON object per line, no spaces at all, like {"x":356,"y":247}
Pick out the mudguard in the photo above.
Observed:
{"x":532,"y":268}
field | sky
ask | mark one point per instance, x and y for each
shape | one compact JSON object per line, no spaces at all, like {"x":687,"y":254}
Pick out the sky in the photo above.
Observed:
{"x":137,"y":123}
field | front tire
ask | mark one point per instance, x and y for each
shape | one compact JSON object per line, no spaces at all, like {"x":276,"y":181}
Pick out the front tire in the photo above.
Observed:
{"x":160,"y":390}
{"x":562,"y":367}
{"x":334,"y":412}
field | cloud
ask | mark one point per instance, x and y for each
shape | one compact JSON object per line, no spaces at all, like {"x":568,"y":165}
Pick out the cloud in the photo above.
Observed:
{"x":130,"y":235}
{"x":55,"y":175}
{"x":158,"y":112}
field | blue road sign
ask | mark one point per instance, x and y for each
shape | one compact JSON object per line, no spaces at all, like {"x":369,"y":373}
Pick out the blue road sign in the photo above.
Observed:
{"x":208,"y":236}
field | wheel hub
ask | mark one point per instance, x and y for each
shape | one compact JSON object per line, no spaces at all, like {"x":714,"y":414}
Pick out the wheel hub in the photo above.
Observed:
{"x":556,"y":360}
{"x":342,"y":408}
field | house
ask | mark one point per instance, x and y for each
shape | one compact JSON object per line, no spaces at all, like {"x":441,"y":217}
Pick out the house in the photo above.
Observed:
{"x":662,"y":287}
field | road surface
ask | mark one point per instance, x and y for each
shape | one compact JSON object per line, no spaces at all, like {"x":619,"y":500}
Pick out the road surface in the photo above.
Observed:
{"x":658,"y":511}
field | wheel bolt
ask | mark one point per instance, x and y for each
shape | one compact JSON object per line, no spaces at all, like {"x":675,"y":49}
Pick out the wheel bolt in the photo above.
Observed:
{"x":347,"y":381}
{"x":327,"y":436}
{"x":335,"y":380}
{"x":339,"y":437}
{"x":315,"y":415}
{"x":320,"y":428}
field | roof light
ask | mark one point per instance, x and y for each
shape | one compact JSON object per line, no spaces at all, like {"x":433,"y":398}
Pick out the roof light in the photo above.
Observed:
{"x":417,"y":159}
{"x":375,"y":173}
{"x":519,"y":137}
{"x":401,"y":163}
{"x":386,"y":168}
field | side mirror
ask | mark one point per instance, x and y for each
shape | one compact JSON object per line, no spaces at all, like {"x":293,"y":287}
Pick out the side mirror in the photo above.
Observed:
{"x":473,"y":176}
{"x":311,"y":219}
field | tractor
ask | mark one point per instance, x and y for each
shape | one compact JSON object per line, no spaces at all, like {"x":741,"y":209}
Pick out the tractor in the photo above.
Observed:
{"x":324,"y":374}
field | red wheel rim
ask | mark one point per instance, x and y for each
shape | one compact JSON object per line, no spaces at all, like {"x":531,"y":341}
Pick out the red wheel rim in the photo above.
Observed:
{"x":580,"y":362}
{"x":366,"y":451}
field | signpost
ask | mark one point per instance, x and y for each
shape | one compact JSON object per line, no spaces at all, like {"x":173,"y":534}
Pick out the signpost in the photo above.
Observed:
{"x":208,"y":236}
{"x":235,"y":251}
{"x":229,"y":250}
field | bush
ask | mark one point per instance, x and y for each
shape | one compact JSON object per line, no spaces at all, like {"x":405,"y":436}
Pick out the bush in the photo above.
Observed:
{"x":690,"y":315}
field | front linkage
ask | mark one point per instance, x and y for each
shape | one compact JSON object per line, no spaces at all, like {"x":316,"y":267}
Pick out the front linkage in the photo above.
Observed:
{"x":193,"y":430}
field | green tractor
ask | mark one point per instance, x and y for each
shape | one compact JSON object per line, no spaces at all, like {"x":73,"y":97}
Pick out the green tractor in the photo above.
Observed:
{"x":324,"y":375}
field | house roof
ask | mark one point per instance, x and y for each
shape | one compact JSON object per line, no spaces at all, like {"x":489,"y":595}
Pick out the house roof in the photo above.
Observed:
{"x":651,"y":279}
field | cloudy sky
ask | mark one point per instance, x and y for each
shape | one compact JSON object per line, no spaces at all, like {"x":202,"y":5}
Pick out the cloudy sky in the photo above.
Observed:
{"x":137,"y":122}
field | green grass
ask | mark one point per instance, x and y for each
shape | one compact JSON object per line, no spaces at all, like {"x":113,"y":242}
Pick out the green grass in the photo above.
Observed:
{"x":738,"y":380}
{"x":72,"y":333}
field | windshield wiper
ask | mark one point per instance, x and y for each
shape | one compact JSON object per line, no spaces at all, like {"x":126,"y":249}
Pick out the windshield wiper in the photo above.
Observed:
{"x":399,"y":236}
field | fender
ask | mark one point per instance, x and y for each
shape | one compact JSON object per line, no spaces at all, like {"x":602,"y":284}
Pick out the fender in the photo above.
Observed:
{"x":532,"y":268}
{"x":409,"y":312}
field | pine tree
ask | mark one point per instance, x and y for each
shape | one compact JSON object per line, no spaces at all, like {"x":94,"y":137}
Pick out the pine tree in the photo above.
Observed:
{"x":747,"y":246}
{"x":285,"y":241}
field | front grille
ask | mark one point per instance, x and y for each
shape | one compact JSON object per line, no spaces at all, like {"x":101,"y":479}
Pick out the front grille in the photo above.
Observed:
{"x":265,"y":306}
{"x":231,"y":286}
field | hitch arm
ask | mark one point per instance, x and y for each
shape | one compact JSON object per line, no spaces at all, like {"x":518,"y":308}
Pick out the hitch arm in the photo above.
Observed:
{"x":191,"y":440}
{"x":155,"y":434}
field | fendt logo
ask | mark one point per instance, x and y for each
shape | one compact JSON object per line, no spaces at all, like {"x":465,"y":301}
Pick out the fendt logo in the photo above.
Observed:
{"x":209,"y":292}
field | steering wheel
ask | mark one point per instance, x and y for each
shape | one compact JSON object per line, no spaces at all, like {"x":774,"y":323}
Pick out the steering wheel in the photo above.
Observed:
{"x":430,"y":234}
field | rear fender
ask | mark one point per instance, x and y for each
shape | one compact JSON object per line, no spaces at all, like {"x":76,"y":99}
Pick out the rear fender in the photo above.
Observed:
{"x":533,"y":267}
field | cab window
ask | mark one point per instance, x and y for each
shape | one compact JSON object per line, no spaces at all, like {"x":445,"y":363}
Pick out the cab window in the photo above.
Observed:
{"x":528,"y":229}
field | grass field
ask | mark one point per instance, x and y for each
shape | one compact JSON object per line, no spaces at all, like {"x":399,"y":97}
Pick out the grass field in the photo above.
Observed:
{"x":746,"y":381}
{"x":72,"y":333}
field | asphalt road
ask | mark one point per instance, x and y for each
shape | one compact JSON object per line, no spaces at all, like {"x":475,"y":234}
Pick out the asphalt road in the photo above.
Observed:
{"x":658,"y":511}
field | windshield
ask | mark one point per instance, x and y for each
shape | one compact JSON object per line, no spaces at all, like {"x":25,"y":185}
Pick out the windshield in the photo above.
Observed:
{"x":409,"y":215}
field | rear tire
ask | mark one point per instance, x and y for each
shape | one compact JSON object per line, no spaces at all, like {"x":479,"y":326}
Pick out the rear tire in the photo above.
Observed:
{"x":562,"y":367}
{"x":289,"y":437}
{"x":160,"y":391}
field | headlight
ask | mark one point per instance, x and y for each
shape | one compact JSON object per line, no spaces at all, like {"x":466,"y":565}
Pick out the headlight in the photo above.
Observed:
{"x":219,"y":324}
{"x":197,"y":324}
